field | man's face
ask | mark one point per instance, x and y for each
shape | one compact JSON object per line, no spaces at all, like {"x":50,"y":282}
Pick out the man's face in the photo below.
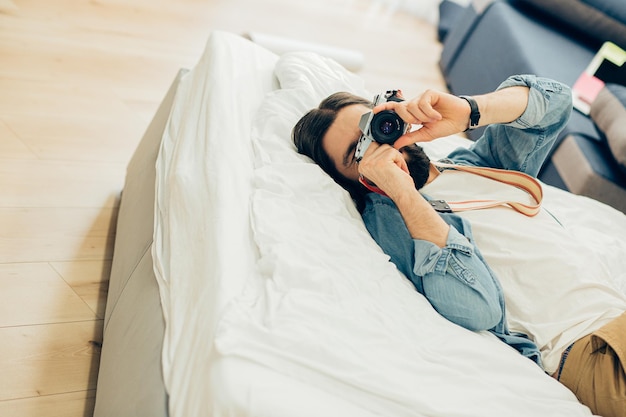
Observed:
{"x":341,"y":139}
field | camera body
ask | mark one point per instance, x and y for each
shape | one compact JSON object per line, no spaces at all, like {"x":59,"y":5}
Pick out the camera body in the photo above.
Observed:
{"x":383,"y":127}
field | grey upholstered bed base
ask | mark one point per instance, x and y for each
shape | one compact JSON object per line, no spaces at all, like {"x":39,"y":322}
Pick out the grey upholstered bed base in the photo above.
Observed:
{"x":130,"y":379}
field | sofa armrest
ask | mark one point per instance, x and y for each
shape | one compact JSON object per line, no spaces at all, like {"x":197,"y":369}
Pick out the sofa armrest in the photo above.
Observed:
{"x":600,"y":20}
{"x":461,"y":24}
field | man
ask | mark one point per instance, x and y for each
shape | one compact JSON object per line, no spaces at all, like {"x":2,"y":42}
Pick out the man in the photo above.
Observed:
{"x":580,"y":324}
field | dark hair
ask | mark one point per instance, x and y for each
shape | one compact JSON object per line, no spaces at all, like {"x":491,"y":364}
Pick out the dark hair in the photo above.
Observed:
{"x":308,"y":133}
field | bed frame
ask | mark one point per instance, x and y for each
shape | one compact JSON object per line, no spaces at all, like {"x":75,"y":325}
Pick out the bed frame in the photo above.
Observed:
{"x":252,"y":338}
{"x":130,"y":380}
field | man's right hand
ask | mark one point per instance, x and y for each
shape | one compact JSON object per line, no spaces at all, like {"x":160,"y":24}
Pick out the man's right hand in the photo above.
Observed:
{"x":386,"y":167}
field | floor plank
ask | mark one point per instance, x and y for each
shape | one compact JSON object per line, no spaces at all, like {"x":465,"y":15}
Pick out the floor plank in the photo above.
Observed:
{"x":56,"y":234}
{"x":89,"y":279}
{"x":73,"y":404}
{"x":11,"y":147}
{"x":63,"y":137}
{"x":36,"y":183}
{"x":36,"y":294}
{"x":49,"y":359}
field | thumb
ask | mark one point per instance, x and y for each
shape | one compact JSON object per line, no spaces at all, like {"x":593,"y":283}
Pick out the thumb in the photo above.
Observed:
{"x":419,"y":135}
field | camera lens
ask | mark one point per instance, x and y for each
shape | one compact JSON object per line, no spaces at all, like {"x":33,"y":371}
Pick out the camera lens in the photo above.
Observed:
{"x":387,"y":127}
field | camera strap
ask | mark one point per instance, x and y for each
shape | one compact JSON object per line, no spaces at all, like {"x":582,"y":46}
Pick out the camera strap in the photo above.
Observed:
{"x":517,"y":179}
{"x":371,"y":186}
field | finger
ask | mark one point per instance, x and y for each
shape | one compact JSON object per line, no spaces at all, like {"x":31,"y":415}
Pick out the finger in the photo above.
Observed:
{"x":420,"y":135}
{"x":410,"y":116}
{"x":429,"y":112}
{"x":426,"y":105}
{"x":400,"y":109}
{"x":389,"y":105}
{"x":389,"y":153}
{"x":416,"y":112}
{"x":404,"y":140}
{"x":401,"y":162}
{"x":410,"y":112}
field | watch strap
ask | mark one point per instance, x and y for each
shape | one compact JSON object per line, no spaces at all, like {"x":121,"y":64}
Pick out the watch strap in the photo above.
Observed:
{"x":474,"y":113}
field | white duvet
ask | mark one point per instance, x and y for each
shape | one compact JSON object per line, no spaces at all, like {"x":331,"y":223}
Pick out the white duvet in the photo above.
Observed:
{"x":276,"y":300}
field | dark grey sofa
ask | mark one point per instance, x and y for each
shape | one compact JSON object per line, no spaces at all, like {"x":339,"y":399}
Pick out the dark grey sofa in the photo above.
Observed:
{"x":487,"y":41}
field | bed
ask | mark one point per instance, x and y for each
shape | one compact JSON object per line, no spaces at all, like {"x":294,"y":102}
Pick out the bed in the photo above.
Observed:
{"x":244,"y":282}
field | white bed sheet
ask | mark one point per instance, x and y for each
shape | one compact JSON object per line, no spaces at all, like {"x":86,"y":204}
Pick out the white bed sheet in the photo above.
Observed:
{"x":277,"y":301}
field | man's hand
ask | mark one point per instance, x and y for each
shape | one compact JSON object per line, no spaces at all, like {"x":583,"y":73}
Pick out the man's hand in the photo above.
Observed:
{"x":443,"y":114}
{"x":440,"y":114}
{"x":386,"y":167}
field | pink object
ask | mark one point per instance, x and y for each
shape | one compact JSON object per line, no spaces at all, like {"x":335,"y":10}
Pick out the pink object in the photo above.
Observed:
{"x":587,"y":87}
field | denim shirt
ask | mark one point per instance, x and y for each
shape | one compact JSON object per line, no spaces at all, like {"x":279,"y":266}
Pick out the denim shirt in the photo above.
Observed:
{"x":456,"y":279}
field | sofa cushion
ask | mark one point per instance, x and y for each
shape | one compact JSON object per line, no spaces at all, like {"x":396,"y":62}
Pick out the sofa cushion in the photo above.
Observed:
{"x":587,"y":168}
{"x":603,"y":20}
{"x":449,"y":14}
{"x":608,"y":111}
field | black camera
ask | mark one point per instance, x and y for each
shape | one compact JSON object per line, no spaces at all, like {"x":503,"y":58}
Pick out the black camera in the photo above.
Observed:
{"x":383,"y":127}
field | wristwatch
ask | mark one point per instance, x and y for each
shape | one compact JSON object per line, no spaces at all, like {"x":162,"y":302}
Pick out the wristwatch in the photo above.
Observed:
{"x":474,"y":113}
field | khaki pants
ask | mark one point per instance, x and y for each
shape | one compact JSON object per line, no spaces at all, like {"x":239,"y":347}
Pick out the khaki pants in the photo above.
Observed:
{"x":595,"y":369}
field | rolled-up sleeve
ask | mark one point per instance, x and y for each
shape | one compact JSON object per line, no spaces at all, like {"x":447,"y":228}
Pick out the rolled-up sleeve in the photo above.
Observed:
{"x":526,"y":142}
{"x":430,"y":258}
{"x":454,"y":279}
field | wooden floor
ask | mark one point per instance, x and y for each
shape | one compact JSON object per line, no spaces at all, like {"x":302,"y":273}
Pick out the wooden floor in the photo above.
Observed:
{"x":79,"y":82}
